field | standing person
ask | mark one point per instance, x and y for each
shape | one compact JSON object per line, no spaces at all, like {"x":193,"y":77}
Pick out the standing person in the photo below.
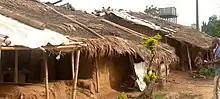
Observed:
{"x":216,"y":62}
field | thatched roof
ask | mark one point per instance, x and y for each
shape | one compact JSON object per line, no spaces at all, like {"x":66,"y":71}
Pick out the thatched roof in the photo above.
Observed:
{"x":183,"y":33}
{"x":117,"y":40}
{"x":115,"y":46}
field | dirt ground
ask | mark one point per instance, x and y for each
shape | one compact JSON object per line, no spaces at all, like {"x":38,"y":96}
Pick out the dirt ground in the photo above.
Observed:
{"x":179,"y":85}
{"x":180,"y":82}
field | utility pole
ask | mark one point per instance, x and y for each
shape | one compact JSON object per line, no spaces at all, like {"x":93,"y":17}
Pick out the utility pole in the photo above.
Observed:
{"x":197,"y":14}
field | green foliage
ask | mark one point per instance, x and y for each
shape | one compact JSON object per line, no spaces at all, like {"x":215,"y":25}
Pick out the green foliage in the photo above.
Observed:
{"x":208,"y":72}
{"x":146,"y":78}
{"x":212,"y":27}
{"x":159,"y":95}
{"x":150,"y":77}
{"x":122,"y":95}
{"x":152,"y":10}
{"x":151,"y":42}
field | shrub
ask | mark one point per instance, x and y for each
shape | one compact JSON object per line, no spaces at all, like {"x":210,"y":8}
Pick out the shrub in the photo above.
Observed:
{"x":122,"y":95}
{"x":208,"y":71}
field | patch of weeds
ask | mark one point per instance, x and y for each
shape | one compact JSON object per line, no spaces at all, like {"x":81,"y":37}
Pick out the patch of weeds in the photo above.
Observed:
{"x":208,"y":71}
{"x":159,"y":95}
{"x":122,"y":95}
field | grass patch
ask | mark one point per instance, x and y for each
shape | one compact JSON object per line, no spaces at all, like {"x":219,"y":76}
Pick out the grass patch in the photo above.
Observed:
{"x":159,"y":95}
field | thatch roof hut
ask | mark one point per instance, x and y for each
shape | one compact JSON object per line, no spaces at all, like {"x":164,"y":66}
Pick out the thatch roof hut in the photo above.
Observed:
{"x":110,"y":51}
{"x":178,"y":36}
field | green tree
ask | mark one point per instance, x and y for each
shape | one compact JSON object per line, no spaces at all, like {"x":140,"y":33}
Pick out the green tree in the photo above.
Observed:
{"x":212,"y":27}
{"x":152,"y":10}
{"x":150,"y":77}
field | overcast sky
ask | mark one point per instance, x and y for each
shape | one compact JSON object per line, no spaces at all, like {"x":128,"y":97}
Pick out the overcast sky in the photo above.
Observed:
{"x":185,"y":8}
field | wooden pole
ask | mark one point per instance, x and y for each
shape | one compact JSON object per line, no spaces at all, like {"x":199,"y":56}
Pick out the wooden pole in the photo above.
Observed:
{"x":73,"y":74}
{"x":167,"y":70}
{"x":189,"y":59}
{"x":47,"y":47}
{"x":76,"y":73}
{"x":46,"y":75}
{"x":1,"y":74}
{"x":140,"y":35}
{"x":197,"y":14}
{"x":97,"y":76}
{"x":16,"y":67}
{"x":75,"y":21}
{"x":182,"y":56}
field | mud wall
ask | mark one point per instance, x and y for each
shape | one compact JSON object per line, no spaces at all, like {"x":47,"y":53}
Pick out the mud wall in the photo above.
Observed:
{"x":112,"y":73}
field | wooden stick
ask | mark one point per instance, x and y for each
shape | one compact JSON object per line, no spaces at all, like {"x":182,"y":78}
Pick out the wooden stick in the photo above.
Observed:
{"x":23,"y":19}
{"x":26,"y":48}
{"x":97,"y":76}
{"x":76,"y":73}
{"x":73,"y":73}
{"x":166,"y":72}
{"x":207,"y":56}
{"x":46,"y":75}
{"x":131,"y":32}
{"x":80,"y":24}
{"x":16,"y":68}
{"x":1,"y":74}
{"x":189,"y":59}
{"x":182,"y":56}
{"x":123,"y":28}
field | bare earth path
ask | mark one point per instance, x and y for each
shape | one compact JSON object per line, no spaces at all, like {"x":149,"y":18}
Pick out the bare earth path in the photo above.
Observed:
{"x":180,"y":82}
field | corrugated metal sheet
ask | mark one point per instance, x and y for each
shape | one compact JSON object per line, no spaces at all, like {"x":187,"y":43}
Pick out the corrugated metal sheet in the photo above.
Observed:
{"x":126,"y":16}
{"x":136,"y":20}
{"x":23,"y":35}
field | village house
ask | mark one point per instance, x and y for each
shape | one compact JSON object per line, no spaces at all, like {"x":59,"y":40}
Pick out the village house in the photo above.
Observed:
{"x":186,"y":41}
{"x":107,"y":53}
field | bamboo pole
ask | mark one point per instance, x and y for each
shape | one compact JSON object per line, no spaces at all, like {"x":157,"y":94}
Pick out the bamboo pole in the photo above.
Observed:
{"x":75,"y":21}
{"x":97,"y":76}
{"x":16,"y":68}
{"x":1,"y":74}
{"x":76,"y":73}
{"x":26,"y":48}
{"x":73,"y":73}
{"x":46,"y":75}
{"x":189,"y":59}
{"x":167,"y":69}
{"x":140,"y":35}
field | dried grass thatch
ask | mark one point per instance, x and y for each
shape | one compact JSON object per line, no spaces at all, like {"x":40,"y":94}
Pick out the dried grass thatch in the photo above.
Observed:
{"x":114,"y":46}
{"x":111,"y":46}
{"x":183,"y":33}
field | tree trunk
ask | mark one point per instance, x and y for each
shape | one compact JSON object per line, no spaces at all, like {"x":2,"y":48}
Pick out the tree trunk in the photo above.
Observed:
{"x":147,"y":93}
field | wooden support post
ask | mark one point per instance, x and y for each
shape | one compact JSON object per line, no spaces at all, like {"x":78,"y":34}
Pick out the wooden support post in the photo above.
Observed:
{"x":167,"y":72}
{"x":208,"y":56}
{"x":46,"y":75}
{"x":1,"y":74}
{"x":165,"y":39}
{"x":16,"y":67}
{"x":76,"y":73}
{"x":182,"y":56}
{"x":97,"y":76}
{"x":189,"y":59}
{"x":73,"y":73}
